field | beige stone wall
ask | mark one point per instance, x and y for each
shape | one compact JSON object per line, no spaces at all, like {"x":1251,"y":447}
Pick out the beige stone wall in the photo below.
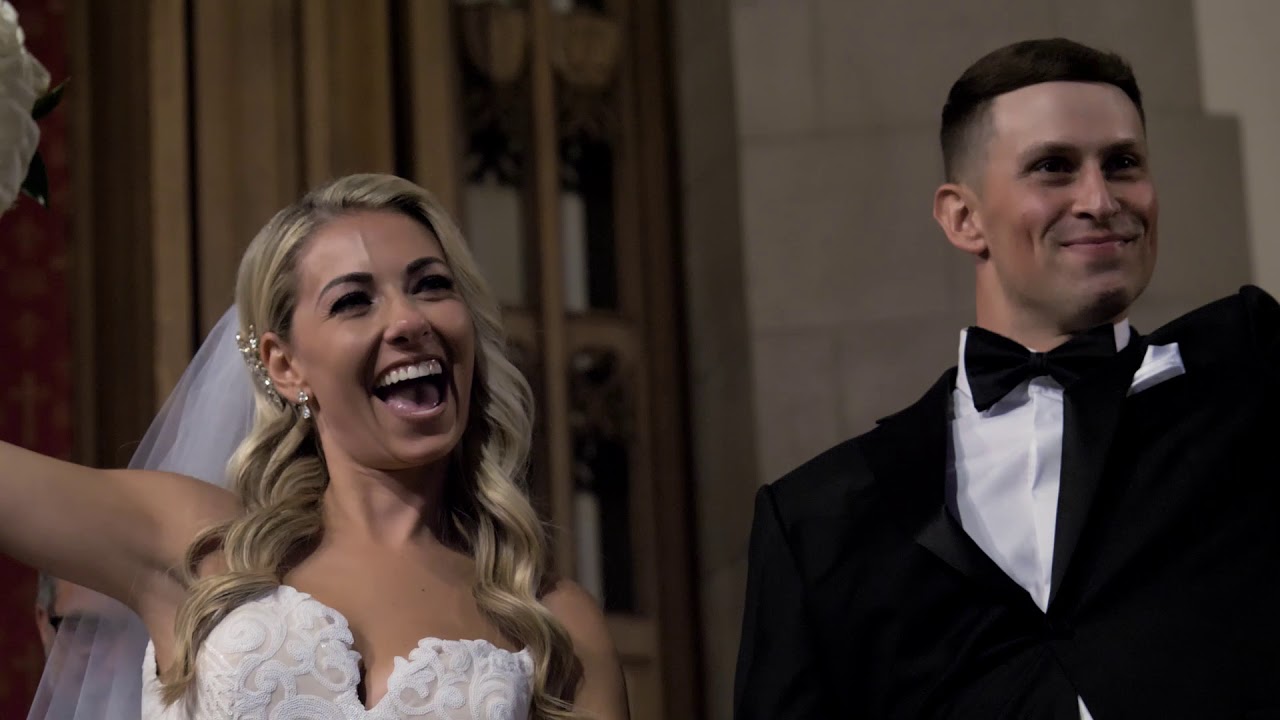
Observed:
{"x":1239,"y":57}
{"x":821,"y":201}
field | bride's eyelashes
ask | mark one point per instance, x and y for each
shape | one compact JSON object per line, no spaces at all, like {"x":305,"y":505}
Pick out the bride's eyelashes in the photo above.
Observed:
{"x":350,"y":301}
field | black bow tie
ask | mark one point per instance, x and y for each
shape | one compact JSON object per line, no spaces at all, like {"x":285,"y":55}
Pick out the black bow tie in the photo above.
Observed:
{"x":996,"y":365}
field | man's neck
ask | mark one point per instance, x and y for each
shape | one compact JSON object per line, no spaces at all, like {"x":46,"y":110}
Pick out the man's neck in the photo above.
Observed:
{"x":1037,"y":339}
{"x":1040,"y":336}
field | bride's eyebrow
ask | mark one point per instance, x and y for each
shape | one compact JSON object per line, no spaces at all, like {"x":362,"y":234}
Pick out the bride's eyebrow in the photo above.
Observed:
{"x":360,"y":278}
{"x":423,"y":263}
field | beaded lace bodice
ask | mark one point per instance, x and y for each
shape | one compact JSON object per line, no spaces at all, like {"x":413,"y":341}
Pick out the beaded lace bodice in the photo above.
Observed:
{"x":287,"y":656}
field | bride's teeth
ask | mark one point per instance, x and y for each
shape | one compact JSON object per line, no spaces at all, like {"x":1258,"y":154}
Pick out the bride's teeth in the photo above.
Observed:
{"x":409,"y":372}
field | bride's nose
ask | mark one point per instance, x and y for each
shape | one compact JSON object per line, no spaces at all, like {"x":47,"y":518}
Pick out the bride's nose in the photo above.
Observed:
{"x":408,"y":324}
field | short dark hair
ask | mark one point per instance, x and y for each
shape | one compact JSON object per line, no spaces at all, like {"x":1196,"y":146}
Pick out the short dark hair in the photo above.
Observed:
{"x":46,"y":592}
{"x":1015,"y":66}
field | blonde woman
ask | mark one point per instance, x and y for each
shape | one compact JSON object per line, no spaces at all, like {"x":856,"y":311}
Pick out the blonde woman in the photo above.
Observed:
{"x":377,"y":556}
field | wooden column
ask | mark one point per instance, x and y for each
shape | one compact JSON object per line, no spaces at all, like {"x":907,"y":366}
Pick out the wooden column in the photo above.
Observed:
{"x":132,"y":236}
{"x":170,"y":191}
{"x":346,"y":81}
{"x":546,"y":231}
{"x":649,"y":76}
{"x":248,"y":141}
{"x":429,"y":122}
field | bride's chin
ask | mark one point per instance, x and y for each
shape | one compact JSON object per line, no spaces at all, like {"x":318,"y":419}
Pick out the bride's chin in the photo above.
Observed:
{"x":425,"y":454}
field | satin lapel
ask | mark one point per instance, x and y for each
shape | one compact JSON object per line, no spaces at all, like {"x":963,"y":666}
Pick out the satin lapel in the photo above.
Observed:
{"x":907,"y":454}
{"x":1091,"y":409}
{"x":943,"y":536}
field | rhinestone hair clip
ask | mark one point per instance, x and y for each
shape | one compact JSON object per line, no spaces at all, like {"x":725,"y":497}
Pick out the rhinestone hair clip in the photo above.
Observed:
{"x":253,"y":359}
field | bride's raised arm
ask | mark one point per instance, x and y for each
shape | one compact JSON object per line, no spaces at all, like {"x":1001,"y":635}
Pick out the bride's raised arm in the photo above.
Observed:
{"x":119,"y":532}
{"x":123,"y":532}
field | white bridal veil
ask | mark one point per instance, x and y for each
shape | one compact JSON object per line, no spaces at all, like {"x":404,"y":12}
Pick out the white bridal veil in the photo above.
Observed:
{"x":94,"y":671}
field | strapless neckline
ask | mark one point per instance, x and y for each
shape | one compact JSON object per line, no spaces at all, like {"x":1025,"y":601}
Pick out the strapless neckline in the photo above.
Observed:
{"x":429,"y":642}
{"x":422,"y":671}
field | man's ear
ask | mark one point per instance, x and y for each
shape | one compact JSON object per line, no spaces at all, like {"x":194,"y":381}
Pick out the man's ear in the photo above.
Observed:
{"x":955,"y":209}
{"x":44,"y":628}
{"x":281,"y":366}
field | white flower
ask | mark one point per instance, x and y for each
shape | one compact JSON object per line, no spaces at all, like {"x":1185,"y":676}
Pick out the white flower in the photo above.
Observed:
{"x":22,"y":81}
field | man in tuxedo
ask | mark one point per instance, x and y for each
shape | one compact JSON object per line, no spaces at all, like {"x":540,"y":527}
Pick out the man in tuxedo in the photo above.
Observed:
{"x":56,"y":600}
{"x":85,"y":635}
{"x":1076,"y":521}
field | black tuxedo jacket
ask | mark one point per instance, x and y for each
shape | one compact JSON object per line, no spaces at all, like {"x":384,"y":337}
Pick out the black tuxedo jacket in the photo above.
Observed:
{"x":866,"y":599}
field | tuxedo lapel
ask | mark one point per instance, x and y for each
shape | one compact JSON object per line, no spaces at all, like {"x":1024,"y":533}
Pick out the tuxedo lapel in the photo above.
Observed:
{"x":943,"y":536}
{"x":907,"y":454}
{"x":1090,"y":413}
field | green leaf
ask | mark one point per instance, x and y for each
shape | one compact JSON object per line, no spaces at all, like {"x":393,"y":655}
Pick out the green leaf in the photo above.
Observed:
{"x":49,"y":101}
{"x":36,"y":186}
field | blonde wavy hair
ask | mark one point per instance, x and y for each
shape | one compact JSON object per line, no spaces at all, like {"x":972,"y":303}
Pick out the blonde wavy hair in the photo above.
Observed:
{"x":278,"y":471}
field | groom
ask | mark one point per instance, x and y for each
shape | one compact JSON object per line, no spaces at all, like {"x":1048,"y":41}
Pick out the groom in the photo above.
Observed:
{"x":1075,"y":522}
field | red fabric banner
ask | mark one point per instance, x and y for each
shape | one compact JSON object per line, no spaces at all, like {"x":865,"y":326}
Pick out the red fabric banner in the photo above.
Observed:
{"x":35,"y":334}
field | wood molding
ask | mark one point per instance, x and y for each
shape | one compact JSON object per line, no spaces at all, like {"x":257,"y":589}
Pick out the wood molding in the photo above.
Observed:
{"x":346,"y":80}
{"x":119,"y":208}
{"x":430,"y":125}
{"x":247,"y":123}
{"x":664,"y":328}
{"x":545,"y":199}
{"x":170,"y":190}
{"x":80,"y":242}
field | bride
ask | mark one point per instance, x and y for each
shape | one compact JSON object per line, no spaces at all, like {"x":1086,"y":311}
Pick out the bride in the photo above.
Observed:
{"x":376,"y":555}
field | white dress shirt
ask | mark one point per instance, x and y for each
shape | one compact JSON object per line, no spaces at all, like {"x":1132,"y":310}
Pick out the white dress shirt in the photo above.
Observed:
{"x":1005,"y":464}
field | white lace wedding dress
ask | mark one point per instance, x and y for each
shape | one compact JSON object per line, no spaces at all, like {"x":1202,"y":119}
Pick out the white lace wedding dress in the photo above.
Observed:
{"x":287,"y":656}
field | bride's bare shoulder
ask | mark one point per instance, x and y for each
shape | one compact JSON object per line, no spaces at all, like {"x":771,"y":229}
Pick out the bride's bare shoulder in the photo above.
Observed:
{"x":603,"y":690}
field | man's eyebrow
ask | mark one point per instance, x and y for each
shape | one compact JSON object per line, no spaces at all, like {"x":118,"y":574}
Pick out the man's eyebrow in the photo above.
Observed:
{"x":1057,"y":147}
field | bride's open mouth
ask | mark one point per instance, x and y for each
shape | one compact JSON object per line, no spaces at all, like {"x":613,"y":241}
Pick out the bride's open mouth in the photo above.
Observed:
{"x":414,"y":390}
